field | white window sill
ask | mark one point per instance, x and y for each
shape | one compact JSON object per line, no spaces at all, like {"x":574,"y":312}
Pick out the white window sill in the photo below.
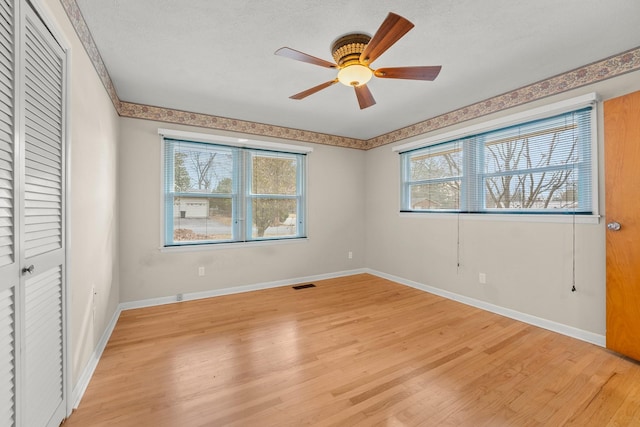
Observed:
{"x":231,"y":245}
{"x":549,"y":218}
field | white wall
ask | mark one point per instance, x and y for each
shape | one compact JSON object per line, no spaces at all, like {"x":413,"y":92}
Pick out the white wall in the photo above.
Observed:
{"x":528,"y":264}
{"x":335,"y":225}
{"x":92,"y":206}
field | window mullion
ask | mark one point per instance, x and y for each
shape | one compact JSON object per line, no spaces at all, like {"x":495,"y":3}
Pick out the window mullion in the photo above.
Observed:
{"x":169,"y":191}
{"x":406,"y":187}
{"x":238,"y":203}
{"x":471,"y":191}
{"x":584,"y":166}
{"x":300,"y":186}
{"x":479,"y":183}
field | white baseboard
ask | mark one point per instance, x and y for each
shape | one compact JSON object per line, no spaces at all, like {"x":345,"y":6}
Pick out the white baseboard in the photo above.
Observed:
{"x":590,"y":337}
{"x":89,"y":369}
{"x":235,"y":290}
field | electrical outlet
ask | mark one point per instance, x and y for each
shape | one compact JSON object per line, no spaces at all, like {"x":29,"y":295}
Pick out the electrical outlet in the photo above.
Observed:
{"x":201,"y":271}
{"x":350,"y":255}
{"x":482,"y":278}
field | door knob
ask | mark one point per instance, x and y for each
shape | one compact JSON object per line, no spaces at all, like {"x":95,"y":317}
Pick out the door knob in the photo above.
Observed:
{"x":614,"y":226}
{"x":29,"y":269}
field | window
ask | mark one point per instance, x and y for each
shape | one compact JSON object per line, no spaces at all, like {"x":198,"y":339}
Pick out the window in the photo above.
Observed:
{"x":539,"y":166}
{"x":217,"y":193}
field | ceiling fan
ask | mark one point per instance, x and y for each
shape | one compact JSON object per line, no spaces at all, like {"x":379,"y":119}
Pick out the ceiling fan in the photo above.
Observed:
{"x":354,"y":54}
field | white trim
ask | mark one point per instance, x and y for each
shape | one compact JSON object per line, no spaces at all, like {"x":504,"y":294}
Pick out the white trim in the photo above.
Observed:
{"x":236,"y":142}
{"x":232,"y":245}
{"x":234,"y":290}
{"x":49,"y":19}
{"x":68,"y":345}
{"x":161,"y":187}
{"x":92,"y":363}
{"x":536,"y":113}
{"x":18,"y":191}
{"x":570,"y":331}
{"x":595,"y":161}
{"x":68,"y":348}
{"x":568,"y":218}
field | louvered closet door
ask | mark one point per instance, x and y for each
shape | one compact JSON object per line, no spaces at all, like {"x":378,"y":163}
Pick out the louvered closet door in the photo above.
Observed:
{"x":9,"y":271}
{"x":42,"y":236}
{"x":31,"y":221}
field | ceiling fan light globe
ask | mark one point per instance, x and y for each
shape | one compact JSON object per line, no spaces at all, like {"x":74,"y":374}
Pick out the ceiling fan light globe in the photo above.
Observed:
{"x":354,"y":75}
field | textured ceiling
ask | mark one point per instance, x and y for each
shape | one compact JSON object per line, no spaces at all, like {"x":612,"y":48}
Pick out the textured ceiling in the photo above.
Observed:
{"x":216,"y":57}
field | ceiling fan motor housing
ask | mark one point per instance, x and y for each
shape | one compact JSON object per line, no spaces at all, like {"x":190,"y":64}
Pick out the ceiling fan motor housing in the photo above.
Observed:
{"x":346,"y":49}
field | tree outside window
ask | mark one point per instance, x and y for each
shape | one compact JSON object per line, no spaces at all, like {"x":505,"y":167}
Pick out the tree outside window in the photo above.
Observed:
{"x":221,"y":193}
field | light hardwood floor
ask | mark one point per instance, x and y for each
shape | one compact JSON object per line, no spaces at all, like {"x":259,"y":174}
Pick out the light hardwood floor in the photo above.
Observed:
{"x":353,"y":351}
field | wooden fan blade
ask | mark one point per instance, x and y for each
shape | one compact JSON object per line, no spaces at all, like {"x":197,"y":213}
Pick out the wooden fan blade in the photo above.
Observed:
{"x":365,"y":98}
{"x":313,"y":90}
{"x":411,"y":73}
{"x":300,"y":56}
{"x":391,"y":30}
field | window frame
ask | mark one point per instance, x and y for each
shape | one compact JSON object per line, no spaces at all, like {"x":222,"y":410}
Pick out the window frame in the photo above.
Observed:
{"x":534,"y":215}
{"x":242,"y":150}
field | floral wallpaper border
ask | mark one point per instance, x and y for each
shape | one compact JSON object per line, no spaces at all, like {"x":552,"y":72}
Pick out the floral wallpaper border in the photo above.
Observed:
{"x":82,"y":30}
{"x":601,"y":70}
{"x":613,"y":66}
{"x":140,"y":111}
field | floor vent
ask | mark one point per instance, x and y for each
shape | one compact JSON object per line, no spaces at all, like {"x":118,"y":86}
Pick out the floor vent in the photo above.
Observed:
{"x":310,"y":285}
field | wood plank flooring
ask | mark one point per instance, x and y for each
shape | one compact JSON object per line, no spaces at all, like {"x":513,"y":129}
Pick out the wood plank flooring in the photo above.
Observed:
{"x":353,"y":351}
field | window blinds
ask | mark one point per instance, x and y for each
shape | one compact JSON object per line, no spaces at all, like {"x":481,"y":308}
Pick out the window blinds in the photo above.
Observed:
{"x":540,"y":166}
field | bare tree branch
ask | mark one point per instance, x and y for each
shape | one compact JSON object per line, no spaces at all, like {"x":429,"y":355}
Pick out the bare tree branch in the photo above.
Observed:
{"x":202,"y":167}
